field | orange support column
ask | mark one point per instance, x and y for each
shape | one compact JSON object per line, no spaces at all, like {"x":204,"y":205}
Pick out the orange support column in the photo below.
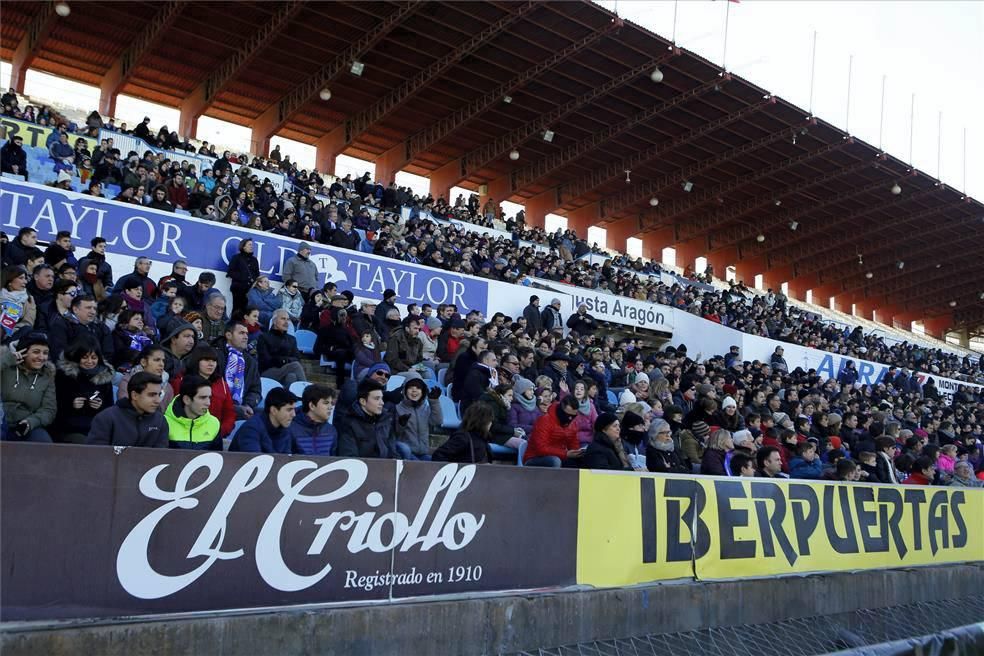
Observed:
{"x":496,"y":190}
{"x":843,"y":302}
{"x":823,"y":293}
{"x":539,"y":206}
{"x":798,"y":288}
{"x":721,"y":260}
{"x":937,"y":326}
{"x":865,"y":308}
{"x":773,"y":278}
{"x":390,"y":163}
{"x":653,"y":243}
{"x":582,"y":218}
{"x":328,"y":148}
{"x":442,"y":179}
{"x":620,"y":231}
{"x":687,"y":253}
{"x":746,"y":270}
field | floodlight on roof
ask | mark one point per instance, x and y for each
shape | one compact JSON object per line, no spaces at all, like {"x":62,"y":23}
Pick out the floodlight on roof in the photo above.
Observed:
{"x":548,"y":135}
{"x":357,"y":68}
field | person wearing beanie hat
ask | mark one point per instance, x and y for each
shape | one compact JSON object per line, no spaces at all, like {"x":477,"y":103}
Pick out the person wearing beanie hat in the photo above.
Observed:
{"x":523,"y":412}
{"x":27,"y":386}
{"x":634,"y":429}
{"x":302,"y":270}
{"x":605,"y":451}
{"x":661,"y":451}
{"x":380,"y":315}
{"x":177,"y":344}
{"x":693,"y":442}
{"x":551,"y":318}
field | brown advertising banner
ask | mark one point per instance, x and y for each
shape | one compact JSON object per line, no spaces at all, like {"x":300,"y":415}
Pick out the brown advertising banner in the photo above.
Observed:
{"x":97,"y":532}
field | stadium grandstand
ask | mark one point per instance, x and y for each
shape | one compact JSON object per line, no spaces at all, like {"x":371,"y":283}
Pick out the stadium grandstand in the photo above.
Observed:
{"x":333,"y":396}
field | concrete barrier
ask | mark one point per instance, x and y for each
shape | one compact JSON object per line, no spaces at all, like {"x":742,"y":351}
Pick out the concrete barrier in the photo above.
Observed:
{"x":499,"y":623}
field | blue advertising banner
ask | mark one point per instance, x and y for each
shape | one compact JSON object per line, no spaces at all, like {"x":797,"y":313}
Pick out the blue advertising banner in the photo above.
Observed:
{"x":138,"y":231}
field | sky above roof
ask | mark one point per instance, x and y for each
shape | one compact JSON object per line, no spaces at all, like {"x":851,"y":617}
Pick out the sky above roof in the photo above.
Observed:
{"x":934,"y":50}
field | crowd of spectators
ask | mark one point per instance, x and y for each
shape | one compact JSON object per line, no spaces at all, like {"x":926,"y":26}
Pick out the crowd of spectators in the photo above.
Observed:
{"x":187,"y":360}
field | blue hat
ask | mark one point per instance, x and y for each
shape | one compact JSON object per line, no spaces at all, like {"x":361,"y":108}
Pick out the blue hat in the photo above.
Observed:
{"x":379,"y":366}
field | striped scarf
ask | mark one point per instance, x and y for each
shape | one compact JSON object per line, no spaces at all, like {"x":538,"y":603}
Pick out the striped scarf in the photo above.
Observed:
{"x":235,"y":374}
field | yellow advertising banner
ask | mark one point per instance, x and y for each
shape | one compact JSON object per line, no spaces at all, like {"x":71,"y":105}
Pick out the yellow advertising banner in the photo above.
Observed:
{"x":34,"y":135}
{"x":635,"y":529}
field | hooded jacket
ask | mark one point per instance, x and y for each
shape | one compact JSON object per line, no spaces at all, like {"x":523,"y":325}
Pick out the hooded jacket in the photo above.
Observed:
{"x":122,"y":425}
{"x":174,"y":365}
{"x":200,"y":434}
{"x":72,"y":382}
{"x":303,"y":270}
{"x":420,"y":418}
{"x":27,"y":395}
{"x":313,"y":439}
{"x":363,"y":436}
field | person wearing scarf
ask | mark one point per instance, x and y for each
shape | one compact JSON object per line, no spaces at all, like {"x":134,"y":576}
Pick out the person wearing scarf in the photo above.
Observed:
{"x":586,"y":414}
{"x":503,"y":432}
{"x":606,"y":451}
{"x":633,"y":434}
{"x":235,"y":373}
{"x":523,"y":412}
{"x":661,"y":452}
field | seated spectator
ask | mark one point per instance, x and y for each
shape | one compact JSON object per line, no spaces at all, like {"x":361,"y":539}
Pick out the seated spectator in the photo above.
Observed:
{"x":159,"y":201}
{"x":177,"y":344}
{"x":963,"y":475}
{"x":500,"y":399}
{"x":311,"y":431}
{"x":524,"y":411}
{"x":635,"y":430}
{"x":605,"y":451}
{"x":83,"y":388}
{"x":481,"y":377}
{"x":769,"y":463}
{"x":366,"y":428}
{"x":742,"y":465}
{"x":18,"y":308}
{"x":661,"y":454}
{"x":554,"y":438}
{"x":129,"y":339}
{"x":27,"y":387}
{"x":404,"y":351}
{"x":470,"y":443}
{"x":241,"y":370}
{"x":13,"y":158}
{"x":923,"y":472}
{"x":151,"y":360}
{"x":267,"y":431}
{"x":806,"y":464}
{"x":416,"y":414}
{"x":587,"y":414}
{"x":847,"y":470}
{"x":277,"y":352}
{"x":717,"y":455}
{"x":190,"y":424}
{"x":367,"y":352}
{"x":203,"y":361}
{"x":292,"y":301}
{"x":135,"y":420}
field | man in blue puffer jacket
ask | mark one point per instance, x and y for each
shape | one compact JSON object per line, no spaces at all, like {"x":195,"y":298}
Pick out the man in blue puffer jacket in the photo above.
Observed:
{"x":310,"y":430}
{"x":266,"y":432}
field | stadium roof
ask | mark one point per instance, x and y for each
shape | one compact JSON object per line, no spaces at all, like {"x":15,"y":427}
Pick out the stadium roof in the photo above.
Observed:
{"x":431,"y":99}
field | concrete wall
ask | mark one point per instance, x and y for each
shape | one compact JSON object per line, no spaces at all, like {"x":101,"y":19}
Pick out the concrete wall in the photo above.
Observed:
{"x":497,"y":624}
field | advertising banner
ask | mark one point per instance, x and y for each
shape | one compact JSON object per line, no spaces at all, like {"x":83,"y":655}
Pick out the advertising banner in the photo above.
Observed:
{"x":610,"y":307}
{"x":34,"y":135}
{"x":667,"y":527}
{"x":139,"y":531}
{"x":134,"y":231}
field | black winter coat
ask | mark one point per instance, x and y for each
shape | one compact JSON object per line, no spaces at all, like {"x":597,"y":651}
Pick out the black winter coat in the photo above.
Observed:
{"x":276,"y":349}
{"x":362,"y":436}
{"x":71,"y":383}
{"x":244,"y":269}
{"x":664,"y":462}
{"x":601,"y":454}
{"x":463,"y":446}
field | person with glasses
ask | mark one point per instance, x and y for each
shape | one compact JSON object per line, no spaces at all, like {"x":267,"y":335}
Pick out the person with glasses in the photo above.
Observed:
{"x":661,"y":451}
{"x":292,"y":301}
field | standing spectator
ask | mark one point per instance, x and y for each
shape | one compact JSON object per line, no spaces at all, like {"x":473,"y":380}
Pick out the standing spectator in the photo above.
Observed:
{"x":581,"y":322}
{"x":244,"y":270}
{"x":778,"y":362}
{"x":366,"y":428}
{"x":310,"y":431}
{"x":534,"y":321}
{"x":135,"y":420}
{"x":382,"y":313}
{"x":277,"y":352}
{"x":267,"y":431}
{"x":190,"y":425}
{"x":140,"y":274}
{"x":551,"y":318}
{"x":97,"y":254}
{"x":301,"y":269}
{"x":23,"y":248}
{"x":83,"y":388}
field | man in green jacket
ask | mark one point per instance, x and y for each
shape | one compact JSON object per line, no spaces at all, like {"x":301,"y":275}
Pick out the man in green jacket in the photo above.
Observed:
{"x":190,"y":426}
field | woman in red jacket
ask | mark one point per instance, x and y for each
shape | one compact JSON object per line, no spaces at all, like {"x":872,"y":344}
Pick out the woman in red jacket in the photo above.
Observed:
{"x":204,"y":361}
{"x":554,"y":438}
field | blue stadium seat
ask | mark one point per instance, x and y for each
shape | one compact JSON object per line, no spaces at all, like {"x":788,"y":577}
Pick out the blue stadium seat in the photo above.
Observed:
{"x":266,"y":384}
{"x":395,"y":382}
{"x":612,"y":399}
{"x":520,"y":452}
{"x":305,"y":341}
{"x":451,"y":419}
{"x":297,"y":388}
{"x":500,"y":452}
